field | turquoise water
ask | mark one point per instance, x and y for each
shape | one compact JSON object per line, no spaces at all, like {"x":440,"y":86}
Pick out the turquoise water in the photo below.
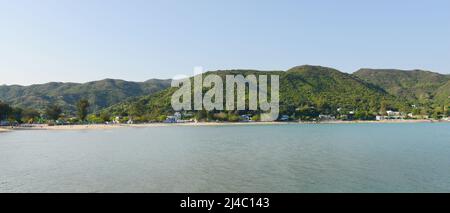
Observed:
{"x":254,"y":158}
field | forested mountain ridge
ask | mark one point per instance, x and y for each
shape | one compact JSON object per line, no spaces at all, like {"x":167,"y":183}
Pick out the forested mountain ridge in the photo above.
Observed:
{"x":414,"y":85}
{"x":100,"y":94}
{"x":305,"y":92}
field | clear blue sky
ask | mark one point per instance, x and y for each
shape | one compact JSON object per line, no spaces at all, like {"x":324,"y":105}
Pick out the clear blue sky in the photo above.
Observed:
{"x":84,"y":40}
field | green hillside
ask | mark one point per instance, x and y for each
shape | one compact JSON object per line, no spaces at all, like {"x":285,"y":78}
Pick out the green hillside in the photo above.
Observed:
{"x":305,"y":92}
{"x":302,"y":89}
{"x":100,"y":94}
{"x":316,"y":86}
{"x":443,"y":94}
{"x":416,"y":85}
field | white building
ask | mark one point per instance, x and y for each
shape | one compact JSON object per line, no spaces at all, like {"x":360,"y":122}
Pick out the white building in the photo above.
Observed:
{"x":327,"y":117}
{"x":391,"y":113}
{"x":380,"y":117}
{"x":284,"y":118}
{"x":177,"y":115}
{"x":246,"y":118}
{"x":116,"y":120}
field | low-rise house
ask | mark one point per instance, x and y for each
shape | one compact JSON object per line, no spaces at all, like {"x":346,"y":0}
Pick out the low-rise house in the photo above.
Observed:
{"x":394,"y":115}
{"x":349,"y":116}
{"x":177,"y":115}
{"x":170,"y":119}
{"x":326,"y":118}
{"x":380,"y":117}
{"x":246,"y":118}
{"x":284,"y":118}
{"x":116,"y":120}
{"x":60,"y":122}
{"x":391,"y":113}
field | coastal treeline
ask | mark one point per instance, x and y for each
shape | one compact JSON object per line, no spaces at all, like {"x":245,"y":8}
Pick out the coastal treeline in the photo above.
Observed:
{"x":17,"y":115}
{"x":52,"y":114}
{"x":307,"y":93}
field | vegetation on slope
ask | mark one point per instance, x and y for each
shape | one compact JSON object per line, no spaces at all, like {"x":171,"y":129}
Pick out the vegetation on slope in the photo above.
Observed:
{"x":305,"y":93}
{"x":100,"y":94}
{"x":416,"y":85}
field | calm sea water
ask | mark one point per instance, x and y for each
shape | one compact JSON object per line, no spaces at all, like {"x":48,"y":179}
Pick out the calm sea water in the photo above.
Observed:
{"x":257,"y":158}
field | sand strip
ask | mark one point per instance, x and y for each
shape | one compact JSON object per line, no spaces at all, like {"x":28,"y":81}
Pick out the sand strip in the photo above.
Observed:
{"x":110,"y":126}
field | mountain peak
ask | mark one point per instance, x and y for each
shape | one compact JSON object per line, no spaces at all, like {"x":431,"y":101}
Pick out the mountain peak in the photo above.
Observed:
{"x":312,"y":68}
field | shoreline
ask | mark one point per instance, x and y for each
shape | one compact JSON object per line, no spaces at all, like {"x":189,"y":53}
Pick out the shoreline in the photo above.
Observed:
{"x":144,"y":125}
{"x":4,"y":130}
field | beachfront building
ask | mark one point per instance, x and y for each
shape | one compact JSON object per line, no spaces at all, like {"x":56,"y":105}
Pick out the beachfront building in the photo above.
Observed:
{"x":116,"y":120}
{"x":327,"y":118}
{"x":394,"y":115}
{"x":348,"y":117}
{"x":391,"y":115}
{"x":284,"y":118}
{"x":177,"y":116}
{"x":380,"y":117}
{"x":246,"y":118}
{"x":170,"y":119}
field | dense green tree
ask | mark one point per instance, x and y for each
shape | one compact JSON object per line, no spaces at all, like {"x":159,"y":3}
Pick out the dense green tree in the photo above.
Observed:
{"x":383,"y":108}
{"x":307,"y":113}
{"x":105,"y":116}
{"x":53,"y":112}
{"x":201,"y":115}
{"x":308,"y":91}
{"x":93,"y":118}
{"x":5,"y":111}
{"x":30,"y":115}
{"x":101,"y":94}
{"x":256,"y":117}
{"x":16,"y":115}
{"x":221,"y":116}
{"x":82,"y":109}
{"x":364,"y":115}
{"x":232,"y":116}
{"x":137,"y":109}
{"x":161,"y":118}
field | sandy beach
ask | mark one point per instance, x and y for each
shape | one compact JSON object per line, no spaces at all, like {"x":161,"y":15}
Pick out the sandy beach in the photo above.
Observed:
{"x":4,"y":130}
{"x":113,"y":126}
{"x":379,"y":122}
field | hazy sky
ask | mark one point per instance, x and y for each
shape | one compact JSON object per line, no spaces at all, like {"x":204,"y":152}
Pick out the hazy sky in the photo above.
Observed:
{"x":84,"y":40}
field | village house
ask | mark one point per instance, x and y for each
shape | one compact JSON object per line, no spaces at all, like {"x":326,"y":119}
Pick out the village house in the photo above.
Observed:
{"x":246,"y":118}
{"x":170,"y":119}
{"x":284,"y":118}
{"x":327,"y":118}
{"x":394,"y":115}
{"x":175,"y":118}
{"x":349,"y":116}
{"x":116,"y":120}
{"x":391,"y":115}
